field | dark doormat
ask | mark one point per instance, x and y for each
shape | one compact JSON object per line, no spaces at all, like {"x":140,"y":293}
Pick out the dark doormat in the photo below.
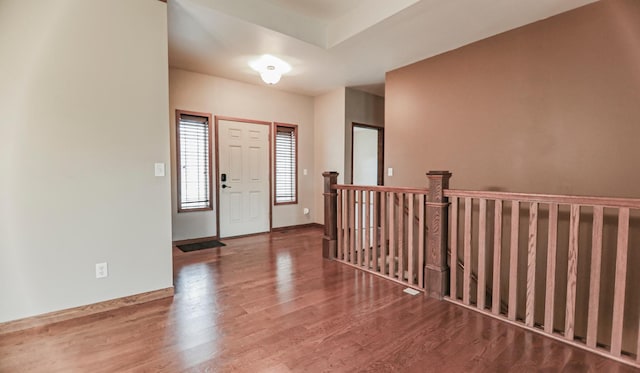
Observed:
{"x":200,"y":245}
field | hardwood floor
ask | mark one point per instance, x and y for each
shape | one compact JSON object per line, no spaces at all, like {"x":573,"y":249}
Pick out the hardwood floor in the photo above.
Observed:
{"x":269,"y":303}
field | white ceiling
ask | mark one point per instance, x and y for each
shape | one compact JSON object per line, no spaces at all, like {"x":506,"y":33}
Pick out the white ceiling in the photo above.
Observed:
{"x":322,"y":9}
{"x":336,"y":43}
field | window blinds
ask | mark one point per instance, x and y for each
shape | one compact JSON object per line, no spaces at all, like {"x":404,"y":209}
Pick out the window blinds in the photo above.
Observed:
{"x":285,"y":159}
{"x":194,"y":166}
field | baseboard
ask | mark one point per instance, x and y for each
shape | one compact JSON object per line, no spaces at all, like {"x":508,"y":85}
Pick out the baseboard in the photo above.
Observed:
{"x":194,"y":240}
{"x":309,"y":225}
{"x":90,"y":309}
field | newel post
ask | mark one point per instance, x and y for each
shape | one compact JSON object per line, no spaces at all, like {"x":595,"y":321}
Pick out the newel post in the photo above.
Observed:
{"x":436,"y":269}
{"x":329,"y":240}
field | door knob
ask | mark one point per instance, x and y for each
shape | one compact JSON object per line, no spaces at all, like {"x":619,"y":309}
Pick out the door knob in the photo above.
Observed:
{"x":224,"y":186}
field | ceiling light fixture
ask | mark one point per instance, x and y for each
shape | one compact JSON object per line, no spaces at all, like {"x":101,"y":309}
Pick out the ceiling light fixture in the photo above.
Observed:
{"x":270,"y":75}
{"x":270,"y":68}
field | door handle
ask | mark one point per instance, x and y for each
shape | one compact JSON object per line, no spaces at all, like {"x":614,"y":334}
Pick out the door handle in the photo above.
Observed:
{"x":224,"y":186}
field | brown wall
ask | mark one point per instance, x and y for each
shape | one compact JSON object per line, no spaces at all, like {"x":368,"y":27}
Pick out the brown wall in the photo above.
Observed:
{"x":551,"y":107}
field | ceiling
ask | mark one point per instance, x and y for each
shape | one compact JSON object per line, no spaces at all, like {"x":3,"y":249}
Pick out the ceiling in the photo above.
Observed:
{"x":336,"y":43}
{"x":321,"y":9}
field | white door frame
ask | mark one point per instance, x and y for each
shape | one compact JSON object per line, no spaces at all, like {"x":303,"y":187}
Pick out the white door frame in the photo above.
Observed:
{"x":217,"y":150}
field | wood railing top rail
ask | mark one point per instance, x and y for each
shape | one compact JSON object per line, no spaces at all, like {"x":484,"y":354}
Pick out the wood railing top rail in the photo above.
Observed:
{"x":547,"y":198}
{"x":377,"y":188}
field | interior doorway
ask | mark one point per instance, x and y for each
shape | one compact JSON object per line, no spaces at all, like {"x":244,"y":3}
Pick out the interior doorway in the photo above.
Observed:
{"x":367,"y":157}
{"x":244,"y":176}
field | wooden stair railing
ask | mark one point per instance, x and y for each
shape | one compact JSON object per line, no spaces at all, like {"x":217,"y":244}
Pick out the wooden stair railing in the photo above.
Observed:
{"x":400,"y":230}
{"x":375,"y":234}
{"x":540,"y":306}
{"x":406,"y":253}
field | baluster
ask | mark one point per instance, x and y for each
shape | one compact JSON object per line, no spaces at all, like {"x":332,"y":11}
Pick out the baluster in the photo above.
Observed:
{"x":531,"y":264}
{"x":497,"y":256}
{"x":352,"y":226}
{"x":410,"y":253}
{"x":466,"y":281}
{"x":376,"y":243}
{"x":383,"y":232}
{"x":400,"y":248}
{"x":482,"y":252}
{"x":345,"y":233}
{"x":453,"y":262}
{"x":594,"y":285}
{"x":572,"y":272}
{"x":360,"y":236}
{"x":421,"y":247}
{"x":620,"y":282}
{"x":367,"y":228}
{"x":392,"y":235}
{"x":513,"y":260}
{"x":340,"y":227}
{"x":552,"y":244}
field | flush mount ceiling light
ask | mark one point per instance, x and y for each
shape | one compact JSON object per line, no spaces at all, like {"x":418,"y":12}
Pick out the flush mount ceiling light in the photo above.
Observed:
{"x":270,"y":68}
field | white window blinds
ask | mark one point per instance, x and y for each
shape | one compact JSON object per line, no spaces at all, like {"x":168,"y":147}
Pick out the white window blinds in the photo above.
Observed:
{"x":194,"y":165}
{"x":286,"y":164}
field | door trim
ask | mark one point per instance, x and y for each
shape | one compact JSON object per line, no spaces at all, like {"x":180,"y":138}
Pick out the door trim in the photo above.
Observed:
{"x":241,"y":120}
{"x":380,"y":149}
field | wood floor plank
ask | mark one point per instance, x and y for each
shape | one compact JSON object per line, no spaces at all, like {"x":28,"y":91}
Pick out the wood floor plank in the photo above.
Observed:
{"x":271,"y":303}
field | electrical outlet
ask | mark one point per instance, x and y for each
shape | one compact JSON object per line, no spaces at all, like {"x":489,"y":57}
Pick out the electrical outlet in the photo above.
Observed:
{"x":102,"y":270}
{"x":159,"y":169}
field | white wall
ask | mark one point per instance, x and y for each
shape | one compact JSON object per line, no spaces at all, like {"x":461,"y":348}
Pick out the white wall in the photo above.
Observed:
{"x":329,"y":114}
{"x":83,"y":97}
{"x":223,"y":97}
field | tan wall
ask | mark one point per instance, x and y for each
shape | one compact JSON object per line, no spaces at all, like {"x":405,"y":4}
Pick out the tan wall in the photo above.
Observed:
{"x":550,"y":107}
{"x":217,"y":96}
{"x":84,"y":103}
{"x":329,"y":110}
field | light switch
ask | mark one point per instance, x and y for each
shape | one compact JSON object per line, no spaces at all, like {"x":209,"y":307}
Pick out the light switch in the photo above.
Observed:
{"x":390,"y":172}
{"x":304,"y":172}
{"x":159,"y":169}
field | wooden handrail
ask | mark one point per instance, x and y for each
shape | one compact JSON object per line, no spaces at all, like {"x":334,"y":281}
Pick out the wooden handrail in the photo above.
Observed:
{"x":383,"y":189}
{"x":378,"y":188}
{"x":547,"y":198}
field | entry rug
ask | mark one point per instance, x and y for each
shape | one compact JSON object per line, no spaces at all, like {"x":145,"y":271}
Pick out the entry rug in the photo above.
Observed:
{"x":200,"y":245}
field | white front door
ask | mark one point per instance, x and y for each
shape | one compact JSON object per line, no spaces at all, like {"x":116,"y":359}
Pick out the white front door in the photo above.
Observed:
{"x":244,"y":164}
